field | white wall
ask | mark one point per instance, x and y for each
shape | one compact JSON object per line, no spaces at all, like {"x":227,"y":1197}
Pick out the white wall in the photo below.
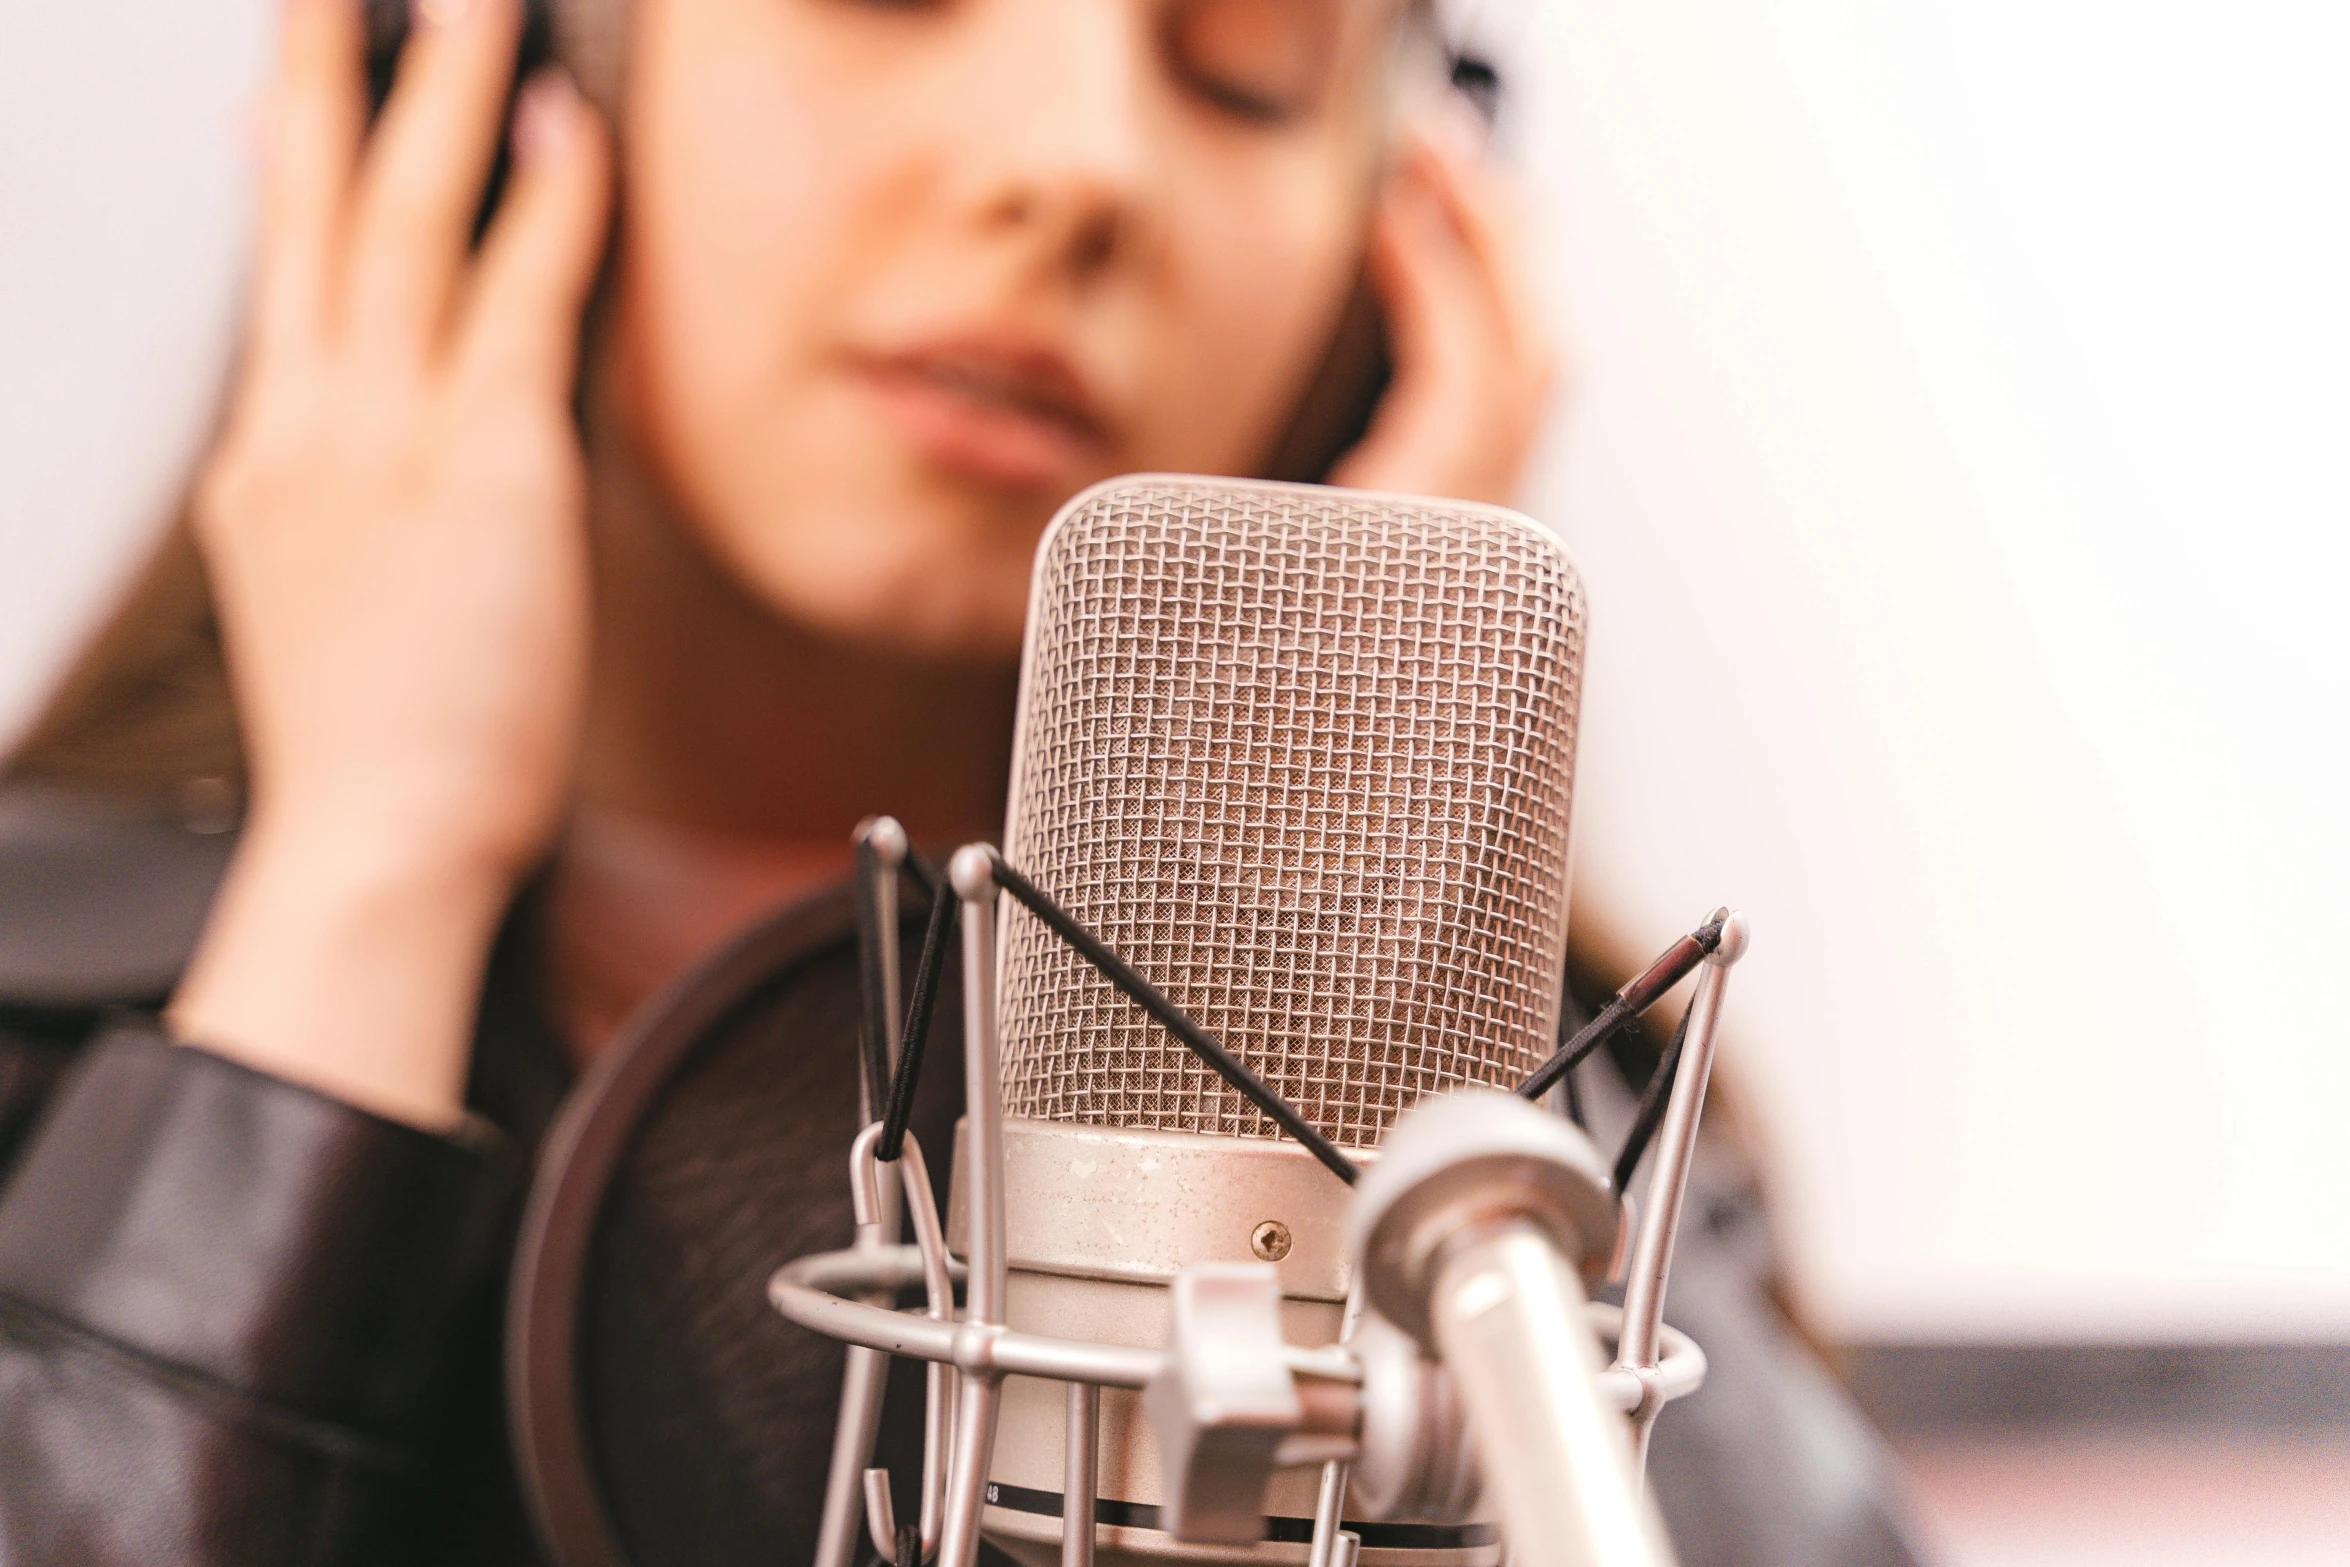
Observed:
{"x":122,"y":171}
{"x":1957,"y":467}
{"x":1953,"y":460}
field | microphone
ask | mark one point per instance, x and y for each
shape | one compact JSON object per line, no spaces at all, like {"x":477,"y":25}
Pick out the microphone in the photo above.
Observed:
{"x":1292,"y":771}
{"x":1305,"y":758}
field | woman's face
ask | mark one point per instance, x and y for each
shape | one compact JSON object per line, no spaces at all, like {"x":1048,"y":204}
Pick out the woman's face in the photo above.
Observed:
{"x":897,"y":277}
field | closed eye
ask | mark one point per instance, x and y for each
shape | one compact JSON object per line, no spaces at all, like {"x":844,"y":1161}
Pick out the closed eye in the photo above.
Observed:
{"x":1262,"y":61}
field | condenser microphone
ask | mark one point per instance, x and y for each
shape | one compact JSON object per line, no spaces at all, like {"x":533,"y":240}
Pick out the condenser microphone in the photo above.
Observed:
{"x":1302,"y":757}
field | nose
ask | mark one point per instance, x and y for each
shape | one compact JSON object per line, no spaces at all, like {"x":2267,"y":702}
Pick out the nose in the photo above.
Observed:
{"x":1064,"y":160}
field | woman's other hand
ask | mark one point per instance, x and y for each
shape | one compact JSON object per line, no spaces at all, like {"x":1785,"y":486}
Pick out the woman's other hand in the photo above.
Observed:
{"x":1473,"y":364}
{"x":393,"y":528}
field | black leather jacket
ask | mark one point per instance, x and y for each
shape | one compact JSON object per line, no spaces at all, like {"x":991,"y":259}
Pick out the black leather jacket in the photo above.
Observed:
{"x":243,"y":1323}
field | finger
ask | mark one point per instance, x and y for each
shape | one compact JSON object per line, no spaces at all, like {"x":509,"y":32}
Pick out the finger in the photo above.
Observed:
{"x":1462,"y":412}
{"x":1427,"y":277}
{"x":1428,"y":426}
{"x":521,"y":321}
{"x":421,"y":180}
{"x":311,"y":126}
{"x":1481,"y":208}
{"x":1488,"y":339}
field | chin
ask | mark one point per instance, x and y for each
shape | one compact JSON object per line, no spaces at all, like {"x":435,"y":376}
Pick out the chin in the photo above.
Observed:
{"x":880,"y":579}
{"x":827,"y":518}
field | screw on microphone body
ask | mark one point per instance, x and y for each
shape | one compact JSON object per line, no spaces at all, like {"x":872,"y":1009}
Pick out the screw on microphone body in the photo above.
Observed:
{"x":1271,"y":1240}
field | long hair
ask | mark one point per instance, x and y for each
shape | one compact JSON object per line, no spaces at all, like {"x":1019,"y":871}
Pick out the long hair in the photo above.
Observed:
{"x":144,"y":710}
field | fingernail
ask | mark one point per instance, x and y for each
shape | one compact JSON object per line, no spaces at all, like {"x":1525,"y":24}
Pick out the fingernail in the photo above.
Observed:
{"x":439,"y":13}
{"x":543,"y":115}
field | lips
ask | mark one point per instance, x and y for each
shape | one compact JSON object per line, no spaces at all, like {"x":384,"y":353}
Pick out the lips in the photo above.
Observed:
{"x":1002,"y":414}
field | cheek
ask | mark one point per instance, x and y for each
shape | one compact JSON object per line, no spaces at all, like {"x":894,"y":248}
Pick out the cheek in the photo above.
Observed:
{"x":718,"y":291}
{"x":758,"y":203}
{"x":1255,"y":292}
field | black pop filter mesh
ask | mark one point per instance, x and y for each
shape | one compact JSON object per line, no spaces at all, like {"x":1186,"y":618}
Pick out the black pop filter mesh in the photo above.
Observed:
{"x":664,"y":1413}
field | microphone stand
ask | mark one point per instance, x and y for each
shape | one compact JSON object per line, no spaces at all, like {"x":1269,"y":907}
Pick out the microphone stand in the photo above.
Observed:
{"x":1468,"y":1233}
{"x":972,"y":873}
{"x":1333,"y":1545}
{"x":881,"y":852}
{"x":1637,"y":1350}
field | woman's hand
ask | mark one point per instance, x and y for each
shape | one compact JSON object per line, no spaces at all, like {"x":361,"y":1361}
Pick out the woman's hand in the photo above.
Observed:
{"x":1473,"y":366}
{"x":393,"y":528}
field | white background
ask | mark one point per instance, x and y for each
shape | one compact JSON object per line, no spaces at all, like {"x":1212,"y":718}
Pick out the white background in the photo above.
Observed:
{"x":1956,"y":460}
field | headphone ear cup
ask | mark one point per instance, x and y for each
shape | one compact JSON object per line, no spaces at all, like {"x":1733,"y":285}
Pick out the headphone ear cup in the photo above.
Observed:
{"x":662,"y":1411}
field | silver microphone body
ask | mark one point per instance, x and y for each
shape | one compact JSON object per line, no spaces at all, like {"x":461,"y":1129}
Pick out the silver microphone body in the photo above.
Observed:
{"x":1304,"y":758}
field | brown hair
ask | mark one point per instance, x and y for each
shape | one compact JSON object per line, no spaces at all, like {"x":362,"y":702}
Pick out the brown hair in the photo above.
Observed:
{"x":145,"y":709}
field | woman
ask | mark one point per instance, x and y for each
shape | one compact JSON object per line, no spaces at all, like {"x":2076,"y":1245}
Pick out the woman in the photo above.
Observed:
{"x":619,"y":564}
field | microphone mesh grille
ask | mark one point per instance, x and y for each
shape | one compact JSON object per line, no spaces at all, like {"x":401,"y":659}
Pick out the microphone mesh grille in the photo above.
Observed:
{"x":1304,"y":757}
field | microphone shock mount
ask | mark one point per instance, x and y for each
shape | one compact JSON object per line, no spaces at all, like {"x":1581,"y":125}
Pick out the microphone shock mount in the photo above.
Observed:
{"x":1471,"y":1241}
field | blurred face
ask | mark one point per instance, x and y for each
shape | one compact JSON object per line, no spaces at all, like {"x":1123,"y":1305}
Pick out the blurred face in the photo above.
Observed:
{"x":897,"y":277}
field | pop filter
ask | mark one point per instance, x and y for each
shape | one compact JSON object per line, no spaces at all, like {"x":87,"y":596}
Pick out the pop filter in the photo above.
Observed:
{"x":662,"y":1411}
